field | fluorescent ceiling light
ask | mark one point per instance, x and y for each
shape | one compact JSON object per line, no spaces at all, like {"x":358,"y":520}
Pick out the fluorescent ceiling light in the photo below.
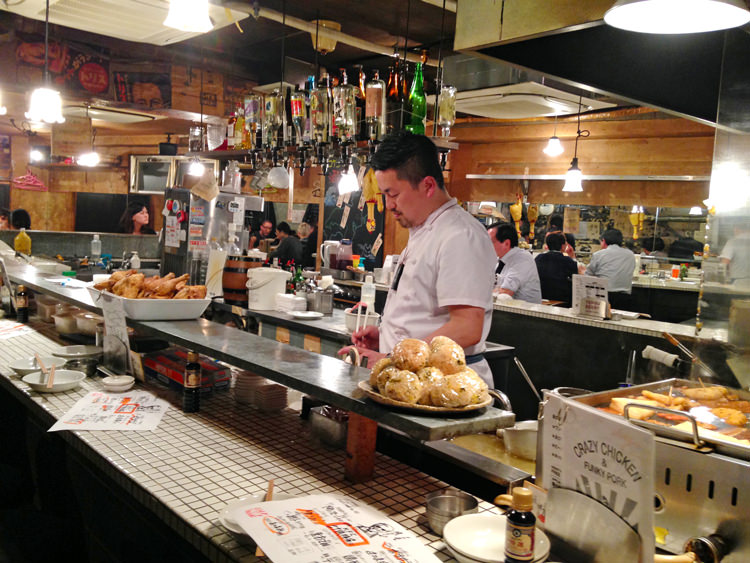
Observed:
{"x":189,"y":15}
{"x":677,"y":16}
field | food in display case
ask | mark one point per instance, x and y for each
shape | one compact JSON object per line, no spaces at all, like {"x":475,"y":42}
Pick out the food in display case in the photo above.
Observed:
{"x":429,"y":375}
{"x":133,"y":285}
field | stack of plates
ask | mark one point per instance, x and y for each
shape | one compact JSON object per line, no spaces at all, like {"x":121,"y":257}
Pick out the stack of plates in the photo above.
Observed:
{"x":288,"y":302}
{"x":245,"y":385}
{"x":270,"y":397}
{"x":480,"y":538}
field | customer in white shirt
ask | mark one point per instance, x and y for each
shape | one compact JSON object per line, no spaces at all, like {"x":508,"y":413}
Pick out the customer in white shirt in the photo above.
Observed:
{"x":617,"y":265}
{"x":443,"y":284}
{"x":519,"y":277}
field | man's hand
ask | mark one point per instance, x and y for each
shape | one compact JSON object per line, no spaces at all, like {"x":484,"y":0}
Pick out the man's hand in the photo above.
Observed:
{"x":367,"y":337}
{"x":368,"y":358}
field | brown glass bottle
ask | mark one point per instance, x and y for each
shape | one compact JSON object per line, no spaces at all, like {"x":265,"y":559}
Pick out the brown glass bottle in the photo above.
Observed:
{"x":520,"y":525}
{"x":22,"y":304}
{"x":191,"y":391}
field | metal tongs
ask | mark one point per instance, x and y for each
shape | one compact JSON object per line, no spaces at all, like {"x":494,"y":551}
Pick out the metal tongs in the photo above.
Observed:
{"x":693,"y":358}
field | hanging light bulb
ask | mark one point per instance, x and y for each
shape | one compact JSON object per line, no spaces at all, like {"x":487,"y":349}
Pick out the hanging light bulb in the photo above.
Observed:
{"x":3,"y":109}
{"x":196,"y":168}
{"x":348,"y":182}
{"x":677,"y":16}
{"x":88,"y":159}
{"x":189,"y":15}
{"x":574,"y":176}
{"x":554,"y":147}
{"x":46,"y":103}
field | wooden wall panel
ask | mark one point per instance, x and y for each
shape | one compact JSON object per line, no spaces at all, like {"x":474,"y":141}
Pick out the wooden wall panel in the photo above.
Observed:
{"x":187,"y":83}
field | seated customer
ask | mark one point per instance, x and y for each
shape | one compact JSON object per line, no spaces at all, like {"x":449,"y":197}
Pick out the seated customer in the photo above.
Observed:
{"x":519,"y":277}
{"x":556,"y":226}
{"x":4,"y":219}
{"x":263,"y":233}
{"x":290,"y":247}
{"x":616,"y":264}
{"x":556,"y":270}
{"x":20,"y":219}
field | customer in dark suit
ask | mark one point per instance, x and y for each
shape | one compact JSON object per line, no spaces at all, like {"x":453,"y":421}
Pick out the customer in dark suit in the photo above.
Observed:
{"x":556,"y":270}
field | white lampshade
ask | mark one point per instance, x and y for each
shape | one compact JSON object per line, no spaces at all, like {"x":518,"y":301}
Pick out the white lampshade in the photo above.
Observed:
{"x":348,"y":181}
{"x":573,"y":178}
{"x":677,"y":16}
{"x":554,"y":147}
{"x":189,"y":15}
{"x":278,"y":177}
{"x":88,"y":159}
{"x":45,"y":106}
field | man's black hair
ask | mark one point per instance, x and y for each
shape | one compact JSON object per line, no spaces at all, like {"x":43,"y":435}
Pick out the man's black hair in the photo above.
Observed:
{"x":612,"y":236}
{"x":413,"y":157}
{"x":505,"y":231}
{"x":20,"y":219}
{"x":284,"y":228}
{"x":555,"y":223}
{"x":555,"y":241}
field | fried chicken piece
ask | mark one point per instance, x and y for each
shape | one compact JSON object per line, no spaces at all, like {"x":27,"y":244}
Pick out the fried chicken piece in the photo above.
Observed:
{"x":168,"y":287}
{"x":197,"y":291}
{"x":705,"y":393}
{"x":120,"y":274}
{"x":730,"y":416}
{"x":105,"y":285}
{"x":183,"y":293}
{"x":129,"y":287}
{"x":149,"y":284}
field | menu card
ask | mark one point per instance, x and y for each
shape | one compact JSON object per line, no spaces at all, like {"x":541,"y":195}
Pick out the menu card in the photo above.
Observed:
{"x":603,"y":457}
{"x":590,"y":296}
{"x":326,"y":528}
{"x":132,"y":410}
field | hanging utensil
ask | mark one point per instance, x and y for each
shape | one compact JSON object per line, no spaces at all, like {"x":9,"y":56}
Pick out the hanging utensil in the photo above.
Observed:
{"x":693,"y":358}
{"x":520,"y":367}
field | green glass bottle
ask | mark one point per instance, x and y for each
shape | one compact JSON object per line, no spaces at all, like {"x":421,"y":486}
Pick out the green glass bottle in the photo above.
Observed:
{"x":418,"y":103}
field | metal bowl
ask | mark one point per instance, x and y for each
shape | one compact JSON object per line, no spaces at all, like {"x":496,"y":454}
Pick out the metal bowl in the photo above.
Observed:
{"x":444,"y":506}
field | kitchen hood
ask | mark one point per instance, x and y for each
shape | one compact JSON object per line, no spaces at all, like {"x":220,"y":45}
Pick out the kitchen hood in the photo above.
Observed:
{"x":496,"y":90}
{"x":131,"y":20}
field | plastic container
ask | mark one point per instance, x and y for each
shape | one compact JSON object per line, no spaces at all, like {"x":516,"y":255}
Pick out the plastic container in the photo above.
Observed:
{"x":263,"y":284}
{"x":343,"y":255}
{"x":22,"y":243}
{"x":217,"y":256}
{"x":367,"y":295}
{"x":96,"y":249}
{"x":135,"y":261}
{"x":45,"y":308}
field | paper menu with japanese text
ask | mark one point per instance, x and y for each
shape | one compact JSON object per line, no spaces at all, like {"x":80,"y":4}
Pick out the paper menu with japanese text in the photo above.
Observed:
{"x":604,"y":457}
{"x":326,"y":528}
{"x":132,"y":410}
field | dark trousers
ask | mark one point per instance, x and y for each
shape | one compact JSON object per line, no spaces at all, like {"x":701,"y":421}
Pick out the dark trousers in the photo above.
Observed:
{"x":621,"y":300}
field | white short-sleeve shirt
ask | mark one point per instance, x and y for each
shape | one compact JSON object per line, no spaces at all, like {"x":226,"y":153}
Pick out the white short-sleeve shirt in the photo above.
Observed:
{"x":520,"y":275}
{"x":449,"y":260}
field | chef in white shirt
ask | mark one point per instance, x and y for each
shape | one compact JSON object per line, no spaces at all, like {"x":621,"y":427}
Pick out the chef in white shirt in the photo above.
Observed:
{"x":445,"y":275}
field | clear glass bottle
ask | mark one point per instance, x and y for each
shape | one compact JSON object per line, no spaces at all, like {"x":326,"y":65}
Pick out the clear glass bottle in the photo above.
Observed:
{"x":230,"y":131}
{"x":96,"y":249}
{"x":447,"y":109}
{"x":297,"y":100}
{"x":360,"y":95}
{"x":375,"y":107}
{"x":417,"y":103}
{"x":253,"y":119}
{"x":273,"y":117}
{"x":239,"y":128}
{"x":320,"y":121}
{"x":344,"y":109}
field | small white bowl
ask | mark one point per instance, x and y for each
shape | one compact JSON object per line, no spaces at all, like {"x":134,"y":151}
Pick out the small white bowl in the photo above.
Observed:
{"x":350,"y":318}
{"x":65,"y":380}
{"x":118,"y":383}
{"x":29,"y":365}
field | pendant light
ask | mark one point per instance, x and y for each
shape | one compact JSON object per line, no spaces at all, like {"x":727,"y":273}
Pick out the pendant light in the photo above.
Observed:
{"x":189,"y":15}
{"x":46,"y":103}
{"x":3,"y":109}
{"x":90,"y":158}
{"x":677,"y":16}
{"x":554,"y":146}
{"x":574,"y":175}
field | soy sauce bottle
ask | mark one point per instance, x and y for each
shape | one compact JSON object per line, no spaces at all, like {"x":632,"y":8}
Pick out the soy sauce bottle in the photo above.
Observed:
{"x":191,"y":392}
{"x":519,"y":527}
{"x":22,"y":304}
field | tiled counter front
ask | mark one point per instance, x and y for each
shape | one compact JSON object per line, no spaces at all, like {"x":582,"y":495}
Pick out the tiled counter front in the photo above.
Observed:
{"x":187,"y":469}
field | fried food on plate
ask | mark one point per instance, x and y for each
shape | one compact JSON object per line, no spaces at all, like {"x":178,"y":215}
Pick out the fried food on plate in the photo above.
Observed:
{"x":129,"y":287}
{"x":404,"y":386}
{"x":133,"y":285}
{"x":411,"y":354}
{"x":730,"y":416}
{"x":705,"y":393}
{"x":667,"y":400}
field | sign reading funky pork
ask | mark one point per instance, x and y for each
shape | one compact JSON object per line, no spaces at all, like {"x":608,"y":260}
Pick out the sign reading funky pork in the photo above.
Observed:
{"x":72,"y":67}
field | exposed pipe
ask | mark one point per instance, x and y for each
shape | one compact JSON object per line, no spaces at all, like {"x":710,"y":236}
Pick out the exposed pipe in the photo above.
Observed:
{"x":309,"y":27}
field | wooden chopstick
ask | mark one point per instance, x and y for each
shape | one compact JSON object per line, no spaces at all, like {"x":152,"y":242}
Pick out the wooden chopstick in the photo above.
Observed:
{"x":51,"y":378}
{"x":40,"y":364}
{"x":269,"y":496}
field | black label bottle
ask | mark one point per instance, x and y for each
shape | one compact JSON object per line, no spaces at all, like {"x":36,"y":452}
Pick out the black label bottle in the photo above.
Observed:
{"x":22,"y":304}
{"x":519,"y":527}
{"x":191,"y":392}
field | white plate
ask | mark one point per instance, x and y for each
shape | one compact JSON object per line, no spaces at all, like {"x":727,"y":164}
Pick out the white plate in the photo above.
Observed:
{"x":481,"y":538}
{"x":118,"y":383}
{"x":305,"y":314}
{"x":225,"y":515}
{"x":29,"y":365}
{"x":78,"y":352}
{"x":157,"y":309}
{"x":65,"y":380}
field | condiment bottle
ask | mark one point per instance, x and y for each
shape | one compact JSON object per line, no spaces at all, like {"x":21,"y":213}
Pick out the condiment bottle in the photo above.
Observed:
{"x":96,"y":249}
{"x":22,"y":304}
{"x":519,"y":527}
{"x":22,"y":242}
{"x":191,"y":391}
